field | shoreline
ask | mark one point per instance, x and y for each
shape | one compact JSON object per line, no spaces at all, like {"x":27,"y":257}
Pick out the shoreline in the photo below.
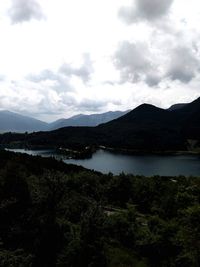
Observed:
{"x":89,"y":151}
{"x":146,"y":152}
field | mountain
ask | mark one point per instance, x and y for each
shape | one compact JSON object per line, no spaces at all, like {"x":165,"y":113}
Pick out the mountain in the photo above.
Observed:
{"x":177,"y":106}
{"x":146,"y":129}
{"x":189,"y":119}
{"x":14,"y":122}
{"x":86,"y":120}
{"x":151,"y":128}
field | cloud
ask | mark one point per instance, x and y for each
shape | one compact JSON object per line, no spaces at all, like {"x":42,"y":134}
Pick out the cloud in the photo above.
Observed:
{"x":2,"y":77}
{"x":63,"y":79}
{"x":183,"y":65}
{"x":91,"y":105}
{"x":134,"y":60}
{"x":44,"y":102}
{"x":153,"y":78}
{"x":47,"y":77}
{"x":25,"y":10}
{"x":36,"y":99}
{"x":141,"y":62}
{"x":83,"y":72}
{"x":149,"y":10}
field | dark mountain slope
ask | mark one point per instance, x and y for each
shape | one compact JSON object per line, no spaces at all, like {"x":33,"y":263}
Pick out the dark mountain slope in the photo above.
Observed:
{"x":177,"y":106}
{"x":145,"y":128}
{"x":189,"y":119}
{"x":143,"y":114}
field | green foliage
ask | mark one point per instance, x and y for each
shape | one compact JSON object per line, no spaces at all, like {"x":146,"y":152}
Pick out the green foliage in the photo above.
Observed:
{"x":15,"y":258}
{"x":53,"y":214}
{"x":121,"y":257}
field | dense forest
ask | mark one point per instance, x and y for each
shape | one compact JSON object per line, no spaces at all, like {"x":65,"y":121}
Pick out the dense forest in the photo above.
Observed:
{"x":53,"y":214}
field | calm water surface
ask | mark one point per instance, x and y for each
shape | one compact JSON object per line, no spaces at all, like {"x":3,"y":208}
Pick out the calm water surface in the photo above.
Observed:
{"x":148,"y":165}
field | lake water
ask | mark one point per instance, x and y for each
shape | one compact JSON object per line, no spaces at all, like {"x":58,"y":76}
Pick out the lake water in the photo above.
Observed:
{"x":148,"y":165}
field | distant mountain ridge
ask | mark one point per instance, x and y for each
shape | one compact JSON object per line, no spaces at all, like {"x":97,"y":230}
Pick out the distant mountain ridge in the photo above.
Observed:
{"x":87,"y":120}
{"x":14,"y":122}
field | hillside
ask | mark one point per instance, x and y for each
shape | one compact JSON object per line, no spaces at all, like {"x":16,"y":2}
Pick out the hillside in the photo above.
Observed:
{"x":177,"y":106}
{"x":144,"y":128}
{"x":189,"y":119}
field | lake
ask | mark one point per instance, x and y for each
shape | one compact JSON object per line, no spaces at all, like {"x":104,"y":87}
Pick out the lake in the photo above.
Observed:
{"x":148,"y":165}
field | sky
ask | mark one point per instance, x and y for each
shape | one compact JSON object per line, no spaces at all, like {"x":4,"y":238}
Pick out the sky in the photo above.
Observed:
{"x":59,"y":58}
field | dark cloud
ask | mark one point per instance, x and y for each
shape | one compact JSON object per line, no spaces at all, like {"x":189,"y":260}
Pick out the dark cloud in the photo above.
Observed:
{"x":25,"y":10}
{"x":84,"y":72}
{"x":153,"y":79}
{"x":145,"y":10}
{"x":184,"y":64}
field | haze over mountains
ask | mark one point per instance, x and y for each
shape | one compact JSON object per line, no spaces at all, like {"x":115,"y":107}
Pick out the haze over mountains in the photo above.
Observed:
{"x":14,"y":122}
{"x":87,"y":120}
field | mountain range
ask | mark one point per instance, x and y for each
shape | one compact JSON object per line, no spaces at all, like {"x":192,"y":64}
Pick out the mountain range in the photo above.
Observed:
{"x":146,"y":128}
{"x":87,"y":120}
{"x":14,"y":122}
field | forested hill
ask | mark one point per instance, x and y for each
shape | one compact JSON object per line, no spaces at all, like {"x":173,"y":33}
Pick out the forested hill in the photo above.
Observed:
{"x":146,"y":128}
{"x":56,"y":215}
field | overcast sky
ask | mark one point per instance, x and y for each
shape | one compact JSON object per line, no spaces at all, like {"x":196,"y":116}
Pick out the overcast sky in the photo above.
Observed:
{"x":59,"y":58}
